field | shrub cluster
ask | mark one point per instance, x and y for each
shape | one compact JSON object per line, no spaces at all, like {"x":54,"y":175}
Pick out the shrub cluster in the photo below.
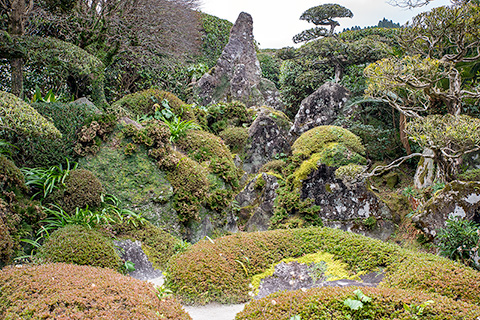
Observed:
{"x":328,"y":303}
{"x":11,"y":178}
{"x":213,"y":272}
{"x":65,"y":291}
{"x":78,"y":245}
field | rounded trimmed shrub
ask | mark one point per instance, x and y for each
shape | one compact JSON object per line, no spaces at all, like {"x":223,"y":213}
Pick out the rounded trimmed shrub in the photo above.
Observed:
{"x":6,"y":243}
{"x":328,"y":303}
{"x":82,"y":189}
{"x":316,"y":139}
{"x":211,"y":272}
{"x":142,"y":103}
{"x":11,"y":178}
{"x":81,"y":246}
{"x":65,"y":291}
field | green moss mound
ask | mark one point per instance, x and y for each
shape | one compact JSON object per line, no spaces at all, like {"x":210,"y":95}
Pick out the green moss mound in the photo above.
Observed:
{"x":207,"y":148}
{"x":142,"y":103}
{"x":235,"y":138}
{"x":11,"y":178}
{"x":82,"y":189}
{"x":328,"y":303}
{"x":22,"y":118}
{"x":65,"y":291}
{"x":189,"y":181}
{"x":158,"y":244}
{"x":220,"y":116}
{"x":317,"y":139}
{"x":211,"y":272}
{"x":81,"y":246}
{"x":275,"y":166}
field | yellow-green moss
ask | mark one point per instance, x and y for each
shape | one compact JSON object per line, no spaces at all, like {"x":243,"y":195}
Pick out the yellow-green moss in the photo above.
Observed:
{"x":335,"y":154}
{"x":305,"y":169}
{"x":349,"y":172}
{"x":316,"y":139}
{"x":335,"y":269}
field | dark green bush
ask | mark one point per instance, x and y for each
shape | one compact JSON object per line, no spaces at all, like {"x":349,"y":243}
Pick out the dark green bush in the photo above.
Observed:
{"x":11,"y":178}
{"x":211,"y":272}
{"x":65,"y":291}
{"x":82,"y":188}
{"x":460,"y":241}
{"x":328,"y":303}
{"x":42,"y":152}
{"x":78,"y":245}
{"x":6,"y":241}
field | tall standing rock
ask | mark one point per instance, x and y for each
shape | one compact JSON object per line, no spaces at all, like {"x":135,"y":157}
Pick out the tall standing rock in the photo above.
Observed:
{"x":237,"y":74}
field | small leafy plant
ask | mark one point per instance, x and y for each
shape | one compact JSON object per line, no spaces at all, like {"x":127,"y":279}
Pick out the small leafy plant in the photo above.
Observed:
{"x":163,"y":292}
{"x":358,"y":303}
{"x":416,"y":311}
{"x":129,"y":266}
{"x":460,"y":241}
{"x":45,"y":181}
{"x":49,"y":97}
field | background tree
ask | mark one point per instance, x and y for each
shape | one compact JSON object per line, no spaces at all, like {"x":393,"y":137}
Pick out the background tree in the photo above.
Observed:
{"x":322,"y":15}
{"x":437,"y":76}
{"x":16,"y":12}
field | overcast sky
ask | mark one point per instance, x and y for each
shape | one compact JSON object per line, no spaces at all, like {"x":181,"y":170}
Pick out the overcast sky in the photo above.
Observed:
{"x":275,"y":22}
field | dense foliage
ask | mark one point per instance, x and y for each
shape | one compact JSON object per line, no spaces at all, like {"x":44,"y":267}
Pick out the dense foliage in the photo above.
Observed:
{"x":211,"y":270}
{"x":80,"y":292}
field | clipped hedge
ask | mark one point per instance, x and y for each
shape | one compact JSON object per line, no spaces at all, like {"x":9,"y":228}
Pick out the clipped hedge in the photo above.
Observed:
{"x":328,"y":303}
{"x":221,"y":271}
{"x":78,"y":245}
{"x":23,"y":119}
{"x":65,"y":291}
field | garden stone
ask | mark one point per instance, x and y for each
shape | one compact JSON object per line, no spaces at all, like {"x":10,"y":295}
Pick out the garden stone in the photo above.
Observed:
{"x":256,"y":202}
{"x":132,"y":251}
{"x":457,"y":200}
{"x":268,"y":139}
{"x":347,"y":206}
{"x":237,"y":74}
{"x":320,"y":108}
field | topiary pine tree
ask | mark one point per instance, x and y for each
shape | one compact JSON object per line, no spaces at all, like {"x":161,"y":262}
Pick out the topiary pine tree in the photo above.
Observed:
{"x":322,"y":15}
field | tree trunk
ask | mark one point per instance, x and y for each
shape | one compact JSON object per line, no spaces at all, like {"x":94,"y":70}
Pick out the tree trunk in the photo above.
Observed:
{"x":17,"y":76}
{"x":403,"y":136}
{"x":16,"y":28}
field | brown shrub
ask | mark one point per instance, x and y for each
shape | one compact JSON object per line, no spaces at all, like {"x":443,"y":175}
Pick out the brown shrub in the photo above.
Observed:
{"x":65,"y":291}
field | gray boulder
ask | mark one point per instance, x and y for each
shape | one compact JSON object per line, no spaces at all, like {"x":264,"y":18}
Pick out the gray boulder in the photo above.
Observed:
{"x":132,"y":251}
{"x":320,"y":108}
{"x":237,"y":74}
{"x":268,"y":138}
{"x":350,"y":207}
{"x":256,"y":202}
{"x":457,"y":199}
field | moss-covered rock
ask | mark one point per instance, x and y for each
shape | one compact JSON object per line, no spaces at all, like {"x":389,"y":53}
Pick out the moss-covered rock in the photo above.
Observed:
{"x":78,"y":245}
{"x":213,"y":268}
{"x":317,"y":139}
{"x":82,"y":189}
{"x":207,"y":148}
{"x":329,"y":303}
{"x":235,"y":138}
{"x":21,"y":117}
{"x":63,"y":290}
